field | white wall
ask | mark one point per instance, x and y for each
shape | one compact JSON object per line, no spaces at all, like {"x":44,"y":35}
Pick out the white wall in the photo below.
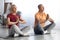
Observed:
{"x":8,"y":0}
{"x":29,"y":8}
{"x":1,"y":7}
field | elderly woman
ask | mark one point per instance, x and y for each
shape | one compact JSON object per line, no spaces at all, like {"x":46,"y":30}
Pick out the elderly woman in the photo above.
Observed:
{"x":13,"y":20}
{"x":40,"y":19}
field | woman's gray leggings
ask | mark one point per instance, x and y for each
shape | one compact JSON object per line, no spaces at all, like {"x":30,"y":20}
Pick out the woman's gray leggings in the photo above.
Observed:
{"x":15,"y":29}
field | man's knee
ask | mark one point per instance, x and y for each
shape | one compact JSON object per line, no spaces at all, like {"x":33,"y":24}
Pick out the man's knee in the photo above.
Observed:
{"x":53,"y":24}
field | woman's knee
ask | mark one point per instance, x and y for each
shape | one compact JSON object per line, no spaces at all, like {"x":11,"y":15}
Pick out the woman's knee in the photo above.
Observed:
{"x":14,"y":26}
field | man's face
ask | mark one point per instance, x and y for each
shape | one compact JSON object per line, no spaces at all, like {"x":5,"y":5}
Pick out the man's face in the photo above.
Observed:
{"x":41,"y":8}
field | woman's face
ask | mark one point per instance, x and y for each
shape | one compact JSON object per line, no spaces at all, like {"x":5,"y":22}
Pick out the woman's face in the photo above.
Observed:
{"x":14,"y":8}
{"x":41,"y":8}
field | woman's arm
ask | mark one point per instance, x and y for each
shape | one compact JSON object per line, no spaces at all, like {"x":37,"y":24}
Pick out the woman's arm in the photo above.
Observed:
{"x":22,"y":21}
{"x":11,"y":23}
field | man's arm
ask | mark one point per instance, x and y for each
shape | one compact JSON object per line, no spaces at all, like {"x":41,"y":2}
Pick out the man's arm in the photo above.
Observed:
{"x":51,"y":20}
{"x":36,"y":21}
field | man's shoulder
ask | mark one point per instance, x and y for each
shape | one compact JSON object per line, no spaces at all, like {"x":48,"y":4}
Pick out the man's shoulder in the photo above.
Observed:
{"x":45,"y":13}
{"x":36,"y":14}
